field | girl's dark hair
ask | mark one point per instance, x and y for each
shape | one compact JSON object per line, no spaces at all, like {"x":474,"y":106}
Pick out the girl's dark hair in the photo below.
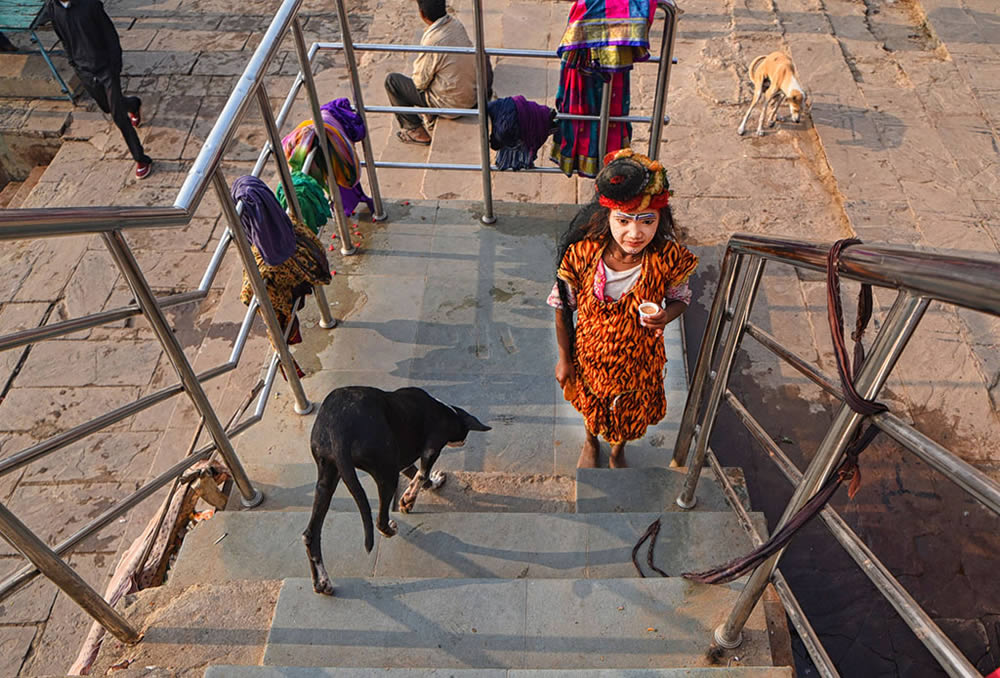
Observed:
{"x":593,"y":222}
{"x":432,"y":9}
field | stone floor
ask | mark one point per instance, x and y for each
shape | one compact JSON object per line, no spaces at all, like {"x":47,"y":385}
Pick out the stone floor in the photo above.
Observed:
{"x":900,"y":146}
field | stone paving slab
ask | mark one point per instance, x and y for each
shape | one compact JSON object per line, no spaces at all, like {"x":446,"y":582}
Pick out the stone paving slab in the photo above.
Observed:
{"x":267,"y":545}
{"x":298,"y":672}
{"x":475,"y":623}
{"x":642,"y":489}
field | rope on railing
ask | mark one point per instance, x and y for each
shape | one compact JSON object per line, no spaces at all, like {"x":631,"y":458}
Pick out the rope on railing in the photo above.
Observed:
{"x":848,"y":469}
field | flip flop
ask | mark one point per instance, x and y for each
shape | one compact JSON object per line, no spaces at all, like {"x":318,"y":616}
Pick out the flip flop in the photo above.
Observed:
{"x":404,"y":136}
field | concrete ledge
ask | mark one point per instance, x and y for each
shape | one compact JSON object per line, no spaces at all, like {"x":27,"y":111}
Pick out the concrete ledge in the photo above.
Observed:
{"x":299,"y":672}
{"x":642,"y":489}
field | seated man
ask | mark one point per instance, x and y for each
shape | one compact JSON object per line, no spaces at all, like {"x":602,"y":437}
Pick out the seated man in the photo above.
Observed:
{"x":439,"y":80}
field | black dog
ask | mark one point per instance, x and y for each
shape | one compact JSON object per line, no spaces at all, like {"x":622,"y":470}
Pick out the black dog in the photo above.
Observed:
{"x":383,"y":434}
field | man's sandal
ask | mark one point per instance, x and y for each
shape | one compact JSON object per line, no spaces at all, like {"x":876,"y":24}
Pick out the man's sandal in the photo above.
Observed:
{"x":406,"y":136}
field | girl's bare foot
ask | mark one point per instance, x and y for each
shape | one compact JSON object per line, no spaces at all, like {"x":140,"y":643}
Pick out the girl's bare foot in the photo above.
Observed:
{"x":618,"y":456}
{"x":589,"y":453}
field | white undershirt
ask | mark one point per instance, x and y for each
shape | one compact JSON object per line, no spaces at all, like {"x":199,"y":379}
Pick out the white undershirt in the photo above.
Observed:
{"x":618,"y":283}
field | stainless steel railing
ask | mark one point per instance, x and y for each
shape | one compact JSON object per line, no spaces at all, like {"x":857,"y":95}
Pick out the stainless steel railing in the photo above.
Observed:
{"x":919,"y":277}
{"x":656,"y":120}
{"x":206,"y":174}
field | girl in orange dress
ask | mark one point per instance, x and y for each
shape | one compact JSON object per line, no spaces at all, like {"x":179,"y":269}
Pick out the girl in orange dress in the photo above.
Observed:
{"x":618,"y":253}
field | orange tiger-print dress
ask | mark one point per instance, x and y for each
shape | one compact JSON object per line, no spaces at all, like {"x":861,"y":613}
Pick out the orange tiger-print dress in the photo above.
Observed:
{"x":618,"y":362}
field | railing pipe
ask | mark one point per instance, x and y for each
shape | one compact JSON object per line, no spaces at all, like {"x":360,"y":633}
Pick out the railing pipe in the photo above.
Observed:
{"x":751,"y":279}
{"x":120,"y":251}
{"x":929,"y":633}
{"x":962,"y":280}
{"x":602,"y":124}
{"x":35,"y":550}
{"x":274,"y":329}
{"x":210,"y":156}
{"x":709,"y":344}
{"x":503,"y":52}
{"x":26,"y":574}
{"x":662,"y":77}
{"x":796,"y":615}
{"x":81,"y":431}
{"x":963,"y":474}
{"x":432,"y":110}
{"x":902,"y":320}
{"x":60,"y":329}
{"x":305,"y":66}
{"x":359,"y":103}
{"x":484,"y":124}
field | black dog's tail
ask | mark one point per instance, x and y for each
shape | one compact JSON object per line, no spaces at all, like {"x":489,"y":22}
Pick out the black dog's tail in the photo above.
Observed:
{"x":350,"y":478}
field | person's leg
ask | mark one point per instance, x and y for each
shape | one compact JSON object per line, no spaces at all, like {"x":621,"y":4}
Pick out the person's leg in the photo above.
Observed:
{"x":590,"y":451}
{"x":96,"y":90}
{"x":402,"y":92}
{"x":120,"y":108}
{"x":618,"y":456}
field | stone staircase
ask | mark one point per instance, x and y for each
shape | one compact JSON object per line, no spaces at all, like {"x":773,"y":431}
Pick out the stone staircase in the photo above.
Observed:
{"x":521,"y":564}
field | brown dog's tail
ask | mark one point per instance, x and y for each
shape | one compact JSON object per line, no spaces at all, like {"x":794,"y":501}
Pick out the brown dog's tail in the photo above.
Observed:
{"x":753,"y":66}
{"x":350,"y":478}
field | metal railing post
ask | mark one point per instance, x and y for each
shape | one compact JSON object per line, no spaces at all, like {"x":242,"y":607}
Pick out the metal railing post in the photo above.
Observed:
{"x":63,"y":576}
{"x":709,"y":344}
{"x":274,"y":330}
{"x":751,"y":280}
{"x":359,"y":103}
{"x":327,"y":320}
{"x":902,"y":320}
{"x":484,"y":123}
{"x":122,"y":255}
{"x":662,"y":77}
{"x":602,"y":125}
{"x":346,"y":244}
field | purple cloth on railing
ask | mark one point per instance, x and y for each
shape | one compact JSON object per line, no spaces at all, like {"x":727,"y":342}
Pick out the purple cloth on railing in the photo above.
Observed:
{"x":340,"y":114}
{"x":341,"y":111}
{"x":266,"y":223}
{"x":535,"y":121}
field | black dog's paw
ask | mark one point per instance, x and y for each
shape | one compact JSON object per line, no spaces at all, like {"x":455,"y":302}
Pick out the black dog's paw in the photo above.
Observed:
{"x":407,"y":502}
{"x":389,"y":530}
{"x":436,"y":480}
{"x":323,"y":587}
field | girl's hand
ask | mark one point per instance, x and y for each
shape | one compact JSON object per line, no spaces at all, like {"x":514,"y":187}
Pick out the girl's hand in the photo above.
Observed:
{"x":655,"y":322}
{"x":564,"y":372}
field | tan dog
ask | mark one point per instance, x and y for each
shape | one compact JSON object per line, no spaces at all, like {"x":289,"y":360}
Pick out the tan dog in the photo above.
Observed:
{"x":777,"y":70}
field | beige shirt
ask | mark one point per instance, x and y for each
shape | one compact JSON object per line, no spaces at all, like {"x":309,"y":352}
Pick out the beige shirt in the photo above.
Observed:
{"x":449,"y":79}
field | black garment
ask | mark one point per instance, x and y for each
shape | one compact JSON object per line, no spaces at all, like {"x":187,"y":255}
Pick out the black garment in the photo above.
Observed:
{"x":402,"y":92}
{"x":95,"y":52}
{"x":89,"y":36}
{"x":107,"y":92}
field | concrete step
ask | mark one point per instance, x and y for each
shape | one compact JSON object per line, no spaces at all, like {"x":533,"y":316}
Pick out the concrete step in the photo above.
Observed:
{"x":27,"y":186}
{"x":8,"y":193}
{"x":290,"y":487}
{"x":498,"y":623}
{"x":235,"y":546}
{"x":648,"y":490}
{"x":311,"y":672}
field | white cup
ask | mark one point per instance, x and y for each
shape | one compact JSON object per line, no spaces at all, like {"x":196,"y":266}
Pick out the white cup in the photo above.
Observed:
{"x":648,"y":308}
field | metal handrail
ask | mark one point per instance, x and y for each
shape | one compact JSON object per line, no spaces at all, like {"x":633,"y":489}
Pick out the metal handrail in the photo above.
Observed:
{"x":956,"y":278}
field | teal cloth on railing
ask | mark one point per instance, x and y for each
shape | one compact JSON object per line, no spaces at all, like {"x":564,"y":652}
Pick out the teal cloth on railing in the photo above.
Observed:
{"x":312,"y":200}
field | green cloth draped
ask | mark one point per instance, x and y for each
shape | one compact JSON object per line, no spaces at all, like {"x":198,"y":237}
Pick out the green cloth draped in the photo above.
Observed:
{"x":312,"y":200}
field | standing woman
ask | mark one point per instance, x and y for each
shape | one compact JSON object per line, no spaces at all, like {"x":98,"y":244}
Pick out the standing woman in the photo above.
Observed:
{"x":619,"y":254}
{"x":603,"y":39}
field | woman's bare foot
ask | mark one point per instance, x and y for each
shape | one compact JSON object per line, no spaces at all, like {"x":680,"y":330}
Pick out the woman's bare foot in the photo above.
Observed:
{"x":589,"y":453}
{"x":618,"y":456}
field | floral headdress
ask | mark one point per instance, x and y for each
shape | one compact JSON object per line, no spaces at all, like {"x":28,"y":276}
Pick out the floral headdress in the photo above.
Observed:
{"x":630,"y":182}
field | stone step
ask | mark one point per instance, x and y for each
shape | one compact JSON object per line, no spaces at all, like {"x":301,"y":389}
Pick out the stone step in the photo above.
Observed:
{"x":235,"y":546}
{"x":27,"y":186}
{"x":311,"y":672}
{"x":499,"y":623}
{"x":8,"y":193}
{"x":290,"y":487}
{"x":648,"y":490}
